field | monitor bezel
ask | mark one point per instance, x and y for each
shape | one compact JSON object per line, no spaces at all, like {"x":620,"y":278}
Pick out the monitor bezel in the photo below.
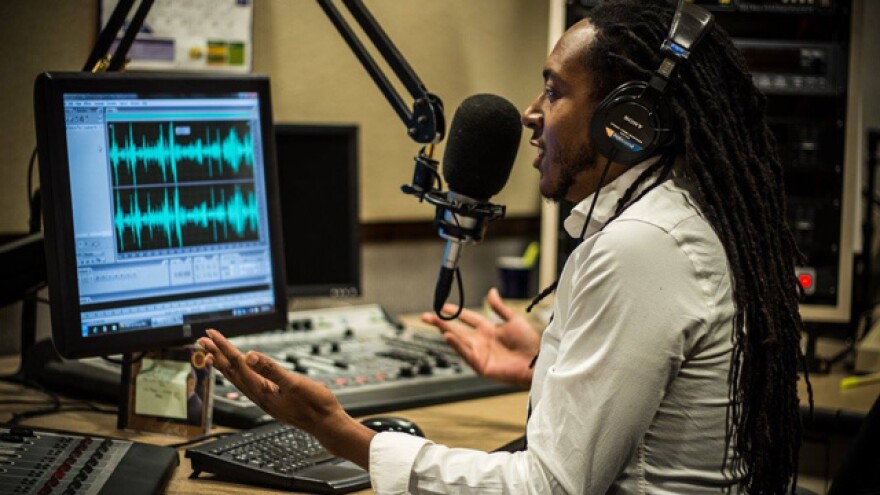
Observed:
{"x":49,"y":93}
{"x":351,"y":133}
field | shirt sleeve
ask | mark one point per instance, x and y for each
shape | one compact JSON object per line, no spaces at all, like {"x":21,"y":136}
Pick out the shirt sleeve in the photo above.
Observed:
{"x":392,"y":455}
{"x":636,"y":306}
{"x":401,"y":463}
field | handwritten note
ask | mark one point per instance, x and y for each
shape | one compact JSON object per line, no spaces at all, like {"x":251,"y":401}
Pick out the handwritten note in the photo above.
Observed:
{"x":160,"y":388}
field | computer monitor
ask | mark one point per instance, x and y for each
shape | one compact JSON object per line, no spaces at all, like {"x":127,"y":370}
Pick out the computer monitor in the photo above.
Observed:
{"x":317,"y":170}
{"x":160,"y":209}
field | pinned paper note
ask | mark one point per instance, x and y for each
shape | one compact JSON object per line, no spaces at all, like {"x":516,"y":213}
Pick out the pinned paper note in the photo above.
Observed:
{"x":160,"y":388}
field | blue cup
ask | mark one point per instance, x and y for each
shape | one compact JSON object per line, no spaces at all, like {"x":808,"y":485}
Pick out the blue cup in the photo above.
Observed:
{"x":516,"y":278}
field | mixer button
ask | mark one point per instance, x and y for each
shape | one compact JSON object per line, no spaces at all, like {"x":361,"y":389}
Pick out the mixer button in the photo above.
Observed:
{"x":10,"y":438}
{"x":22,"y":432}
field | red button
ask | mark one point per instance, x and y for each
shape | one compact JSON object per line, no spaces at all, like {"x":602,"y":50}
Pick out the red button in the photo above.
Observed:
{"x":806,"y":280}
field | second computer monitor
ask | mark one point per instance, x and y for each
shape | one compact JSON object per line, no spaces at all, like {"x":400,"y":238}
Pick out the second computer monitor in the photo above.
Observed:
{"x":318,"y":177}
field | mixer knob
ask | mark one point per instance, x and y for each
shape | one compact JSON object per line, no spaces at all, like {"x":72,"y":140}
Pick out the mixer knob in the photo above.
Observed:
{"x":316,"y":349}
{"x":22,"y":432}
{"x":335,"y":347}
{"x":425,"y":368}
{"x":10,"y":438}
{"x":407,"y":372}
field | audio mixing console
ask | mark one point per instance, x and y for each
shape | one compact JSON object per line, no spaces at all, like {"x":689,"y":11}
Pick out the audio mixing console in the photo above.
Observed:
{"x":44,"y":462}
{"x":370,"y":362}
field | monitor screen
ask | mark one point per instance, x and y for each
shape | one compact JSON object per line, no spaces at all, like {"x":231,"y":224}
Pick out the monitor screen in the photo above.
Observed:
{"x":161,"y":209}
{"x":317,"y":170}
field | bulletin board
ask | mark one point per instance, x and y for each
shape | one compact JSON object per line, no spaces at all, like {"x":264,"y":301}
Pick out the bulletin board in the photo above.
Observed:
{"x":191,"y":35}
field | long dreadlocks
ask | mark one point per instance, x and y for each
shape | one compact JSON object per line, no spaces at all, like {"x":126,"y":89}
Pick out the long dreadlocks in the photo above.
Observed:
{"x":731,"y":155}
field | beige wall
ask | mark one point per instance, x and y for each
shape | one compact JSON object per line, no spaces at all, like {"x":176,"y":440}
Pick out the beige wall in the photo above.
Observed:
{"x":457,"y":47}
{"x":35,"y":35}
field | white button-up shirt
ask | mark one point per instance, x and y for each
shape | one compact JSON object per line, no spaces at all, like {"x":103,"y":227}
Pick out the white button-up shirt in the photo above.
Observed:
{"x":630,"y":392}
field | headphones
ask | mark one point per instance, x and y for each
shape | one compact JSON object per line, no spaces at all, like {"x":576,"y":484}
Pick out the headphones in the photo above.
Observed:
{"x":634,"y":122}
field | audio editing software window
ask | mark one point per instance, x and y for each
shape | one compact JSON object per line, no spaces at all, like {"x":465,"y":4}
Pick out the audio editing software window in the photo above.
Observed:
{"x":169,"y":209}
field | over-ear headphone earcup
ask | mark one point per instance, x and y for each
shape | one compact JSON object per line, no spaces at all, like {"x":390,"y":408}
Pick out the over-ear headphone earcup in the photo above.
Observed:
{"x":630,"y":125}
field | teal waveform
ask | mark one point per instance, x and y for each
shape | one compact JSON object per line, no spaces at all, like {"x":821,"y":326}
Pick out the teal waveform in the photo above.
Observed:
{"x":220,"y":218}
{"x":168,"y":151}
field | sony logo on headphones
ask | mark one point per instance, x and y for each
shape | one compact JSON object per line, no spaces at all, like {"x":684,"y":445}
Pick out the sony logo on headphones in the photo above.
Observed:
{"x":632,"y":121}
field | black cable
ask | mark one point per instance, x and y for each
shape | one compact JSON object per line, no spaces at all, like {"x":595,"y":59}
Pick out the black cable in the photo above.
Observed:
{"x":123,"y":361}
{"x":552,"y":287}
{"x":24,"y":402}
{"x":34,"y":297}
{"x":57,"y":410}
{"x":457,"y":276}
{"x":54,"y":401}
{"x":33,"y":197}
{"x":30,"y":175}
{"x":203,"y":438}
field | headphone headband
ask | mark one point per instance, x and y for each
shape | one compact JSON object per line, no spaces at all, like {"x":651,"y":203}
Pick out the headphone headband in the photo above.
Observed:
{"x":634,"y":119}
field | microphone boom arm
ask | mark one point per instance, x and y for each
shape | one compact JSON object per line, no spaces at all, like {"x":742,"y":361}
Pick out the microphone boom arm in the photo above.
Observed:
{"x":424,"y":122}
{"x":100,"y":59}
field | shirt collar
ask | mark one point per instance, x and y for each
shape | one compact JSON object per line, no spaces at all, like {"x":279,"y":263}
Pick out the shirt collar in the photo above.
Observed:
{"x":607,"y":202}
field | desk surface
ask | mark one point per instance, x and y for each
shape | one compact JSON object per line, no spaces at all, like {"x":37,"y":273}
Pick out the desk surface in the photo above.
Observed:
{"x":483,"y":424}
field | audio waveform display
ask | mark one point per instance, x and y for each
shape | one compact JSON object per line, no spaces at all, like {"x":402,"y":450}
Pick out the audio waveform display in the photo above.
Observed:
{"x":144,"y":153}
{"x":175,"y":217}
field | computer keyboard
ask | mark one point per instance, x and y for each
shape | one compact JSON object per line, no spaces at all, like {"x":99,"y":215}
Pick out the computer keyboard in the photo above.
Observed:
{"x":278,"y":456}
{"x":370,"y":362}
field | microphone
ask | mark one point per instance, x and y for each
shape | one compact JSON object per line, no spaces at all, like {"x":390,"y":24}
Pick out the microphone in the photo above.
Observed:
{"x":483,"y":141}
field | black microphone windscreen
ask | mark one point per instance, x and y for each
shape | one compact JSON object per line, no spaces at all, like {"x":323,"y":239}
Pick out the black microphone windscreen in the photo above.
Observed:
{"x":483,"y":141}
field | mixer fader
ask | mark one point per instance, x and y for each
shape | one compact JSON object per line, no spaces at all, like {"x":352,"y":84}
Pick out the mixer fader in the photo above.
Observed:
{"x":372,"y":363}
{"x":44,"y":462}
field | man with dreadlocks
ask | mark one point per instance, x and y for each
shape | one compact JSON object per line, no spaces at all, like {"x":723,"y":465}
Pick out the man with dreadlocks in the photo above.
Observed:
{"x":670,"y":365}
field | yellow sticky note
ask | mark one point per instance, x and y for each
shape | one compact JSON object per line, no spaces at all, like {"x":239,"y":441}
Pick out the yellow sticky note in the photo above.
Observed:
{"x":160,"y":388}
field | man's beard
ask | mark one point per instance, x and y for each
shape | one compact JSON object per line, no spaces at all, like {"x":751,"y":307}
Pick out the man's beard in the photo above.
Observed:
{"x":571,"y":162}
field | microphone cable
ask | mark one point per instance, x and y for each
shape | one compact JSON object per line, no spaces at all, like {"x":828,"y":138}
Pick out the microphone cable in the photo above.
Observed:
{"x":456,"y":275}
{"x":664,"y":164}
{"x":552,"y":287}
